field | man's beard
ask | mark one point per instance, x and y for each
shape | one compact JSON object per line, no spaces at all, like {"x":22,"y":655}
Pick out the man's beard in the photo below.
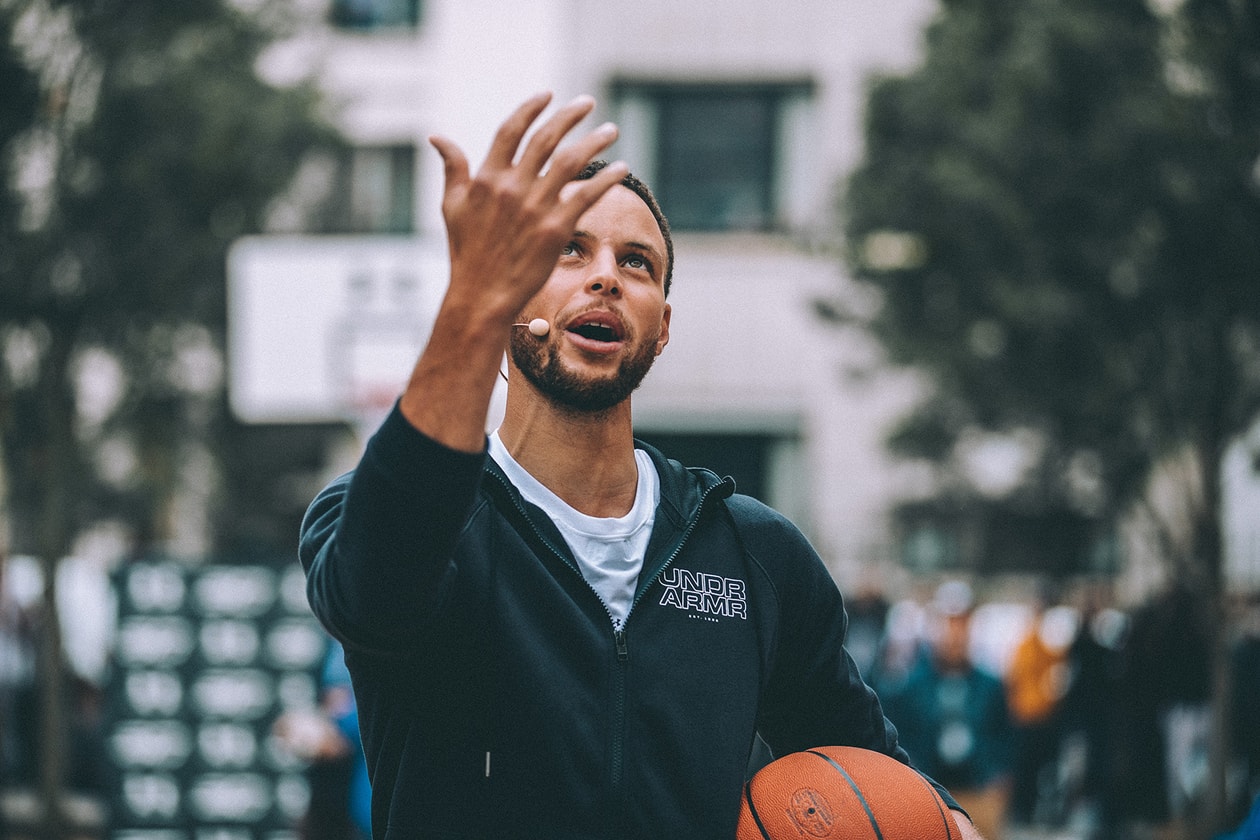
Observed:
{"x":540,"y":363}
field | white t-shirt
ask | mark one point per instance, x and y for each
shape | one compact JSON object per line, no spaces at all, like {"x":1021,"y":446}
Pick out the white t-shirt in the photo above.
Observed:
{"x":609,"y":550}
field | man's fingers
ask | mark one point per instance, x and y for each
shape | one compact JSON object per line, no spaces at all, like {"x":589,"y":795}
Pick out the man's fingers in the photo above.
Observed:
{"x":599,"y":183}
{"x":454,"y":163}
{"x":549,"y":135}
{"x":541,"y":146}
{"x":568,"y":162}
{"x":507,"y":197}
{"x":578,"y":196}
{"x":508,"y":138}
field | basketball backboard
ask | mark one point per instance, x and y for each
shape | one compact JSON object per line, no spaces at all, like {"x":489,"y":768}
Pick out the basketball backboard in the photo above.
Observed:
{"x":327,"y":329}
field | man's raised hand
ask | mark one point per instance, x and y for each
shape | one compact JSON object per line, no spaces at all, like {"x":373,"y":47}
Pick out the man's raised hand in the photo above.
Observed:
{"x":507,"y":223}
{"x":505,"y":226}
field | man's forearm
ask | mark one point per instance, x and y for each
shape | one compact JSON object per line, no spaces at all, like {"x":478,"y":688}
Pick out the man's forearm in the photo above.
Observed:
{"x":448,"y":395}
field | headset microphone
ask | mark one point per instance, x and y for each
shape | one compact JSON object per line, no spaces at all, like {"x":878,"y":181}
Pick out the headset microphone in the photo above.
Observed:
{"x":538,"y":326}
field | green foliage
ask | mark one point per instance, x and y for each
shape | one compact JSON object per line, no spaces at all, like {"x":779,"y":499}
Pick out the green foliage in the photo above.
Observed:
{"x":19,"y":99}
{"x":1084,"y":256}
{"x":160,"y":145}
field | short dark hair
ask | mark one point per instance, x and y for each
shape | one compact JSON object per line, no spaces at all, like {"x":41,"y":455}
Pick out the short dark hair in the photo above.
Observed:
{"x":644,"y":192}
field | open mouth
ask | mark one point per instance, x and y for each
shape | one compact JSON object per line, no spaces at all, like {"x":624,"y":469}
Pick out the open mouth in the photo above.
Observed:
{"x":596,"y":332}
{"x":599,"y":326}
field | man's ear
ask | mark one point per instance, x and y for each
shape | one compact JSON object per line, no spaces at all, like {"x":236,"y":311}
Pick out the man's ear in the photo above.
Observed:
{"x":664,"y":336}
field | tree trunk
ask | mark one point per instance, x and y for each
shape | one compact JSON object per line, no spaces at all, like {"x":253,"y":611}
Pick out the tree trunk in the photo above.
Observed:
{"x":1209,"y":550}
{"x":52,"y":718}
{"x":57,"y":412}
{"x":1218,"y":806}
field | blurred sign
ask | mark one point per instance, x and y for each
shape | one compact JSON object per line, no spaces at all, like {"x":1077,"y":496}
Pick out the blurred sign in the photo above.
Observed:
{"x":207,"y":658}
{"x":327,"y":328}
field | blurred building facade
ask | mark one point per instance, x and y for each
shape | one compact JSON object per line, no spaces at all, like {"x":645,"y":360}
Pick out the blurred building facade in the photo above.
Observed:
{"x":745,"y":116}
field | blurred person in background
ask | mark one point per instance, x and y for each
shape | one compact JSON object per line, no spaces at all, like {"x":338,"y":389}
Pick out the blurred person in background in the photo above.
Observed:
{"x":1249,"y":829}
{"x":903,"y":646}
{"x":1089,"y":712}
{"x":328,"y":739}
{"x":355,"y":791}
{"x":953,"y":717}
{"x":868,"y":616}
{"x":1245,"y":662}
{"x":18,"y":707}
{"x":1036,"y":681}
{"x":1160,"y":748}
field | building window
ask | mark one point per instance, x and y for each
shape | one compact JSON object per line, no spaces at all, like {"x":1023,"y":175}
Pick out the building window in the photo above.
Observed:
{"x":374,"y":14}
{"x":715,"y":154}
{"x":744,"y":457}
{"x":358,"y":189}
{"x":380,"y":194}
{"x":927,"y":548}
{"x":991,"y":538}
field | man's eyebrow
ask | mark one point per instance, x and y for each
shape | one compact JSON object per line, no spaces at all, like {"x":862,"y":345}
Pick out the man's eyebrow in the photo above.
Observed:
{"x":647,"y":249}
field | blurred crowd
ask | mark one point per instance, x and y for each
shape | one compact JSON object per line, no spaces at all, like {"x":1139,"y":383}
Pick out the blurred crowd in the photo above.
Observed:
{"x":1060,"y":712}
{"x":1055,"y":712}
{"x":327,"y":738}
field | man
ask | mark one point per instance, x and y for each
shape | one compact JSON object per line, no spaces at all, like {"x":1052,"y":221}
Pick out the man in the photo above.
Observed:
{"x":1037,"y":678}
{"x":573,"y":637}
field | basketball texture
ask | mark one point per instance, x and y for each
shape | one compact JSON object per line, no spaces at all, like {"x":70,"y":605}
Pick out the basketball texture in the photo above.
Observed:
{"x":844,"y":793}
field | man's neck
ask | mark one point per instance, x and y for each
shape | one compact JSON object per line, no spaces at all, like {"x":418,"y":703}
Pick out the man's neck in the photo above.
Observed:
{"x":585,"y":459}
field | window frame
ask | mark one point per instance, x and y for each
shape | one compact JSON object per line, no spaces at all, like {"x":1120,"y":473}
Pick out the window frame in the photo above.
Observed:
{"x":341,"y":18}
{"x":645,"y":110}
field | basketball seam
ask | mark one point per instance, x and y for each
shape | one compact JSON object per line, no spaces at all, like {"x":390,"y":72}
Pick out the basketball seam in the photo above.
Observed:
{"x":936,"y":800}
{"x":752,"y":809}
{"x":879,"y":835}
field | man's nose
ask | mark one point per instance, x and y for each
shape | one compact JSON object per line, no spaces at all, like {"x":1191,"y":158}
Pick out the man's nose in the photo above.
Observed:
{"x":603,"y":276}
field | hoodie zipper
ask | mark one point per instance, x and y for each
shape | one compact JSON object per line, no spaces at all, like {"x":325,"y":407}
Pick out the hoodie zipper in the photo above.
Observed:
{"x":556,"y":552}
{"x":619,"y":631}
{"x":623,"y":650}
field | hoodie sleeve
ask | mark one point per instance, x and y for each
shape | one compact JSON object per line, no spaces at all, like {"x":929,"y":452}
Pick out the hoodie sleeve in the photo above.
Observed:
{"x":815,"y":695}
{"x":377,"y":543}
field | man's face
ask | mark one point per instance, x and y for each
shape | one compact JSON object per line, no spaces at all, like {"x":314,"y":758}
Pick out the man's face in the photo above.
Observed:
{"x":605,"y":301}
{"x":952,"y":645}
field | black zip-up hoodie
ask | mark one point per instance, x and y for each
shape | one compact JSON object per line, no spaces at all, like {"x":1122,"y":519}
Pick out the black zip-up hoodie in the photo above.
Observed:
{"x":497,"y":701}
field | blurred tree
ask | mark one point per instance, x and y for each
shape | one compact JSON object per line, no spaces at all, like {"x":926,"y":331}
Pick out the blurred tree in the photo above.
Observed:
{"x":137,"y":141}
{"x":1059,"y":210}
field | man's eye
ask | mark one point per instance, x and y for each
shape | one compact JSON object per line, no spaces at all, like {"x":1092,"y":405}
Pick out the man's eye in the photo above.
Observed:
{"x":570,"y":248}
{"x":635,"y":261}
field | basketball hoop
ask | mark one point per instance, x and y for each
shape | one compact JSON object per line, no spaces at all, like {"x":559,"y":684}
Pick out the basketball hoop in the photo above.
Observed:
{"x":318,"y":326}
{"x":367,"y":407}
{"x":374,"y":346}
{"x":371,"y":366}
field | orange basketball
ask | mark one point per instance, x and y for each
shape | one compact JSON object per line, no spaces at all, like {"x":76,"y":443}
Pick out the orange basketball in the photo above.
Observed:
{"x":843,"y":793}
